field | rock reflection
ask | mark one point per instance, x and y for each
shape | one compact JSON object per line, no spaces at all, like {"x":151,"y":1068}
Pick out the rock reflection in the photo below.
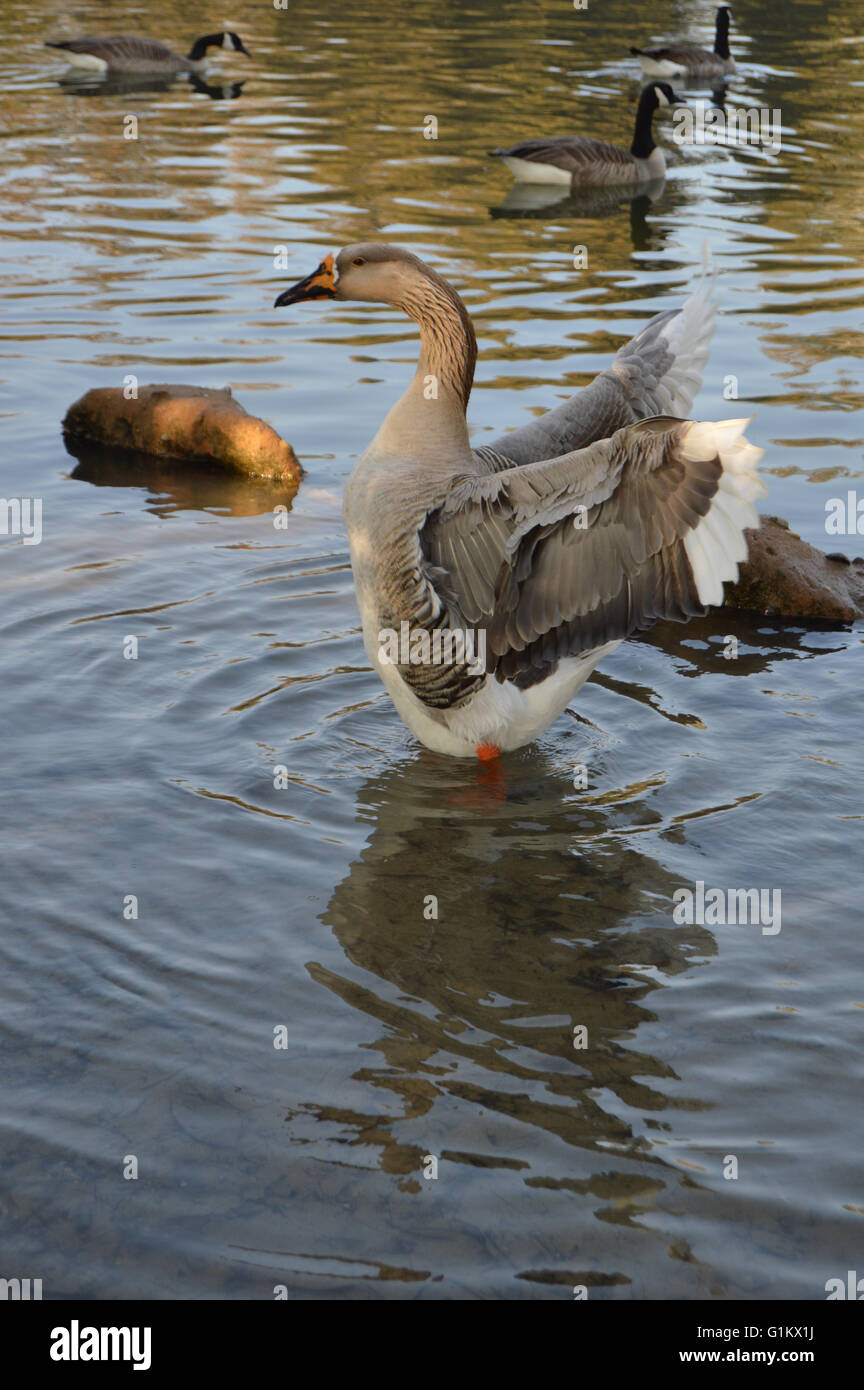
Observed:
{"x":173,"y":485}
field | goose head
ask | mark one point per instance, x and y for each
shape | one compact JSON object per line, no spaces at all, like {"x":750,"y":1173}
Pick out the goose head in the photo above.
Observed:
{"x":225,"y":39}
{"x":233,"y":42}
{"x":369,"y":271}
{"x":381,"y":274}
{"x":661,"y":94}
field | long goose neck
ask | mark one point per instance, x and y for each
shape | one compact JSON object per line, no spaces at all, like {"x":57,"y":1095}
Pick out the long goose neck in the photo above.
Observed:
{"x":643,"y":135}
{"x":448,"y":346}
{"x":200,"y":46}
{"x":721,"y":34}
{"x":429,"y":420}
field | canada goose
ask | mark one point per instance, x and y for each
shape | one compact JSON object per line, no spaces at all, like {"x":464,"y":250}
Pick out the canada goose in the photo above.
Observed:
{"x":578,"y":161}
{"x":538,"y":557}
{"x":118,"y":53}
{"x":687,"y":59}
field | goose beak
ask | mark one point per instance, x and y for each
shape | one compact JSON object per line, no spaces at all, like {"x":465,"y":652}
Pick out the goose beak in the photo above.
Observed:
{"x":243,"y":49}
{"x":321,"y":284}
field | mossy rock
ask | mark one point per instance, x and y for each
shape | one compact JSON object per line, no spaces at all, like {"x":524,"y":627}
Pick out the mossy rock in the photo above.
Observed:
{"x":198,"y":425}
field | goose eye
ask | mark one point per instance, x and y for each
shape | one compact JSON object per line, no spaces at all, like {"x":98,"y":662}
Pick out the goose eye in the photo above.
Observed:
{"x":359,"y":260}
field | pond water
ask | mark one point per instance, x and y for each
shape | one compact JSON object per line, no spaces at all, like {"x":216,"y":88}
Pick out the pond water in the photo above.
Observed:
{"x":283,"y":1035}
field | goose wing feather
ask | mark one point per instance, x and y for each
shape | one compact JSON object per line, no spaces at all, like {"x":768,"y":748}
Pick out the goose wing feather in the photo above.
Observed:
{"x":542,"y":587}
{"x":658,"y":372}
{"x":687,"y":54}
{"x":118,"y":49}
{"x":576,"y":153}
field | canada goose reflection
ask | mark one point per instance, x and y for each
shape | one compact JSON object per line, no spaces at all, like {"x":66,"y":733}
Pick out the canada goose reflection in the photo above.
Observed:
{"x":525,"y":201}
{"x":79,"y":83}
{"x":541,"y":199}
{"x":82,"y":84}
{"x":217,"y":91}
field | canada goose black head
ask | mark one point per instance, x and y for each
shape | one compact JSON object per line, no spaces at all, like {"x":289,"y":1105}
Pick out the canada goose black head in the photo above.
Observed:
{"x":655,"y":95}
{"x":226,"y":38}
{"x":661,"y":94}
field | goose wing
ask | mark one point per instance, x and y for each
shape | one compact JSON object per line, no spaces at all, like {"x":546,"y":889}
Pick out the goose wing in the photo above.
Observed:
{"x":575,"y":153}
{"x":556,"y":558}
{"x":116,"y":48}
{"x":687,"y":54}
{"x":658,"y":372}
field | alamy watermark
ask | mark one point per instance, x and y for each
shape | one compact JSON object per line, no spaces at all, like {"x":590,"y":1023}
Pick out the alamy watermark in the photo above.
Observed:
{"x":720,"y":907}
{"x":19,"y":1290}
{"x":77,"y":1343}
{"x":851,"y":1287}
{"x":21,"y":516}
{"x":442,"y":646}
{"x":714,"y":125}
{"x":844,"y":516}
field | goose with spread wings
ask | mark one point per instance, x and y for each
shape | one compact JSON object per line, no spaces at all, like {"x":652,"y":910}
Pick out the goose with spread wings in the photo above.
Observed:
{"x":491,"y":581}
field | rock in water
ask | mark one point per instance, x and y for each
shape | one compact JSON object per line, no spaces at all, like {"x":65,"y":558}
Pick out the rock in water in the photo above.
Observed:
{"x":784,"y":575}
{"x":192,"y":424}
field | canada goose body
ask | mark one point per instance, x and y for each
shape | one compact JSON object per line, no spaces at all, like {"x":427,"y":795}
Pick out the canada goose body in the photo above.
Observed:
{"x":552,"y":545}
{"x":129,"y":53}
{"x":688,"y":60}
{"x":577,"y":161}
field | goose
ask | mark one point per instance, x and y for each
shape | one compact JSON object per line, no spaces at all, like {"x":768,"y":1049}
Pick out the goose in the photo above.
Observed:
{"x":579,"y":161}
{"x":509,"y":571}
{"x":128,"y":53}
{"x":687,"y":59}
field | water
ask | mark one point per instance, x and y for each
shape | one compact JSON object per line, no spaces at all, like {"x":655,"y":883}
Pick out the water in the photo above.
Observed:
{"x":299,"y":915}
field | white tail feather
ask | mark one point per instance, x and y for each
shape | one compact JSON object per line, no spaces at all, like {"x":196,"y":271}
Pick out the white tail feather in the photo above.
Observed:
{"x":688,"y":336}
{"x":716,"y":545}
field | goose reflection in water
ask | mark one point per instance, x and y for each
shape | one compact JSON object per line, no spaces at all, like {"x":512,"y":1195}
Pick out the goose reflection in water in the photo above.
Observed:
{"x":472,"y":986}
{"x":82,"y":84}
{"x":526,"y":201}
{"x":477,"y":1004}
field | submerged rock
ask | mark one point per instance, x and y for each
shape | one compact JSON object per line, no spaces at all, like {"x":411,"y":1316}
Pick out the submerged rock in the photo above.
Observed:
{"x":784,"y":575}
{"x":192,"y":424}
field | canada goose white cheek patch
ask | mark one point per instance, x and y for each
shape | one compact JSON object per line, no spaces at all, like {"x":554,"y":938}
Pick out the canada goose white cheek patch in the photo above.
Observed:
{"x":662,"y":99}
